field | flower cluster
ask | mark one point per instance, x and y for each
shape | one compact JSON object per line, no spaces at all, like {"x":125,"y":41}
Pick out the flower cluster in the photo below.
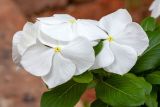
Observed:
{"x":58,"y":47}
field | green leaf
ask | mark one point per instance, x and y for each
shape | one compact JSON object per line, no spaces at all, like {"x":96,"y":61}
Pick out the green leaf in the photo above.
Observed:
{"x":148,"y":24}
{"x":86,"y":77}
{"x":151,"y":57}
{"x":154,"y":78}
{"x":101,"y":72}
{"x":98,"y":103}
{"x":147,"y":86}
{"x":66,"y":95}
{"x":151,"y":100}
{"x":98,"y":47}
{"x":124,"y":91}
{"x":92,"y":84}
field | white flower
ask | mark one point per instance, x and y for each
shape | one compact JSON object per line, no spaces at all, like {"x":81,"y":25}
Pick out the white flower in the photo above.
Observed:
{"x":125,"y":40}
{"x":23,"y":39}
{"x":155,"y":8}
{"x":63,"y":27}
{"x":57,"y":62}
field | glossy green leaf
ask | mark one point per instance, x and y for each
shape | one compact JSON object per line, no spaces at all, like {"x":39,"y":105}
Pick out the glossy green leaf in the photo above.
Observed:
{"x":146,"y":85}
{"x":101,"y":72}
{"x":154,"y":78}
{"x":98,"y":47}
{"x":151,"y":100}
{"x":98,"y":103}
{"x":148,"y":24}
{"x":92,"y":84}
{"x":86,"y":77}
{"x":66,"y":95}
{"x":124,"y":91}
{"x":151,"y":57}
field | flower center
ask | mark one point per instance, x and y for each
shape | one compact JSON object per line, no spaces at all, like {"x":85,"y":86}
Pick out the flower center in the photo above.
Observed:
{"x":109,"y":38}
{"x":57,"y":49}
{"x":72,"y":21}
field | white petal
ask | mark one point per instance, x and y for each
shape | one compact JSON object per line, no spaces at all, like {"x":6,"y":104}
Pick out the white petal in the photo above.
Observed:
{"x":16,"y":56}
{"x":156,"y":12}
{"x":155,"y":8}
{"x":88,"y":21}
{"x":154,"y":5}
{"x":81,"y":53}
{"x":37,"y":59}
{"x":23,"y":39}
{"x":63,"y":17}
{"x":31,"y":28}
{"x":90,"y":30}
{"x":135,"y":37}
{"x":56,"y":19}
{"x":62,"y":71}
{"x":49,"y":41}
{"x":49,"y":20}
{"x":28,"y":37}
{"x":124,"y":59}
{"x":62,"y":32}
{"x":115,"y":22}
{"x":104,"y":58}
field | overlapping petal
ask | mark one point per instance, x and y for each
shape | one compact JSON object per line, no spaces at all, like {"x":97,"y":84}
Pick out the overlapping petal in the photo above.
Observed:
{"x":61,"y":32}
{"x":49,"y":41}
{"x":105,"y":57}
{"x":28,"y":37}
{"x":64,"y":27}
{"x":124,"y":59}
{"x":16,"y":56}
{"x":23,"y":39}
{"x":37,"y":59}
{"x":81,"y":53}
{"x":126,"y":41}
{"x":115,"y":22}
{"x":90,"y":30}
{"x":135,"y":37}
{"x":62,"y":70}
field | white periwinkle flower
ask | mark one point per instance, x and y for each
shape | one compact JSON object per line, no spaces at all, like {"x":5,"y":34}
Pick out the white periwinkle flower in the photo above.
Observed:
{"x":57,"y":48}
{"x":63,"y":27}
{"x":155,"y":8}
{"x":57,"y":62}
{"x":125,"y":40}
{"x":24,"y":39}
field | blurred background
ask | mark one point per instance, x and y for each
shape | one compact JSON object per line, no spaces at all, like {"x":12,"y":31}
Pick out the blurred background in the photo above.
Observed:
{"x":20,"y":89}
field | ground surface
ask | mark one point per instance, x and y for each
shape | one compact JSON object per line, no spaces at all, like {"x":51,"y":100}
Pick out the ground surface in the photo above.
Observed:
{"x":20,"y":89}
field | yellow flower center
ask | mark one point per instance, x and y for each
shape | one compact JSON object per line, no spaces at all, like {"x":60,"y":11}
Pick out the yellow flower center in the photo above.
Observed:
{"x":72,"y":21}
{"x":57,"y":49}
{"x":110,"y":38}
